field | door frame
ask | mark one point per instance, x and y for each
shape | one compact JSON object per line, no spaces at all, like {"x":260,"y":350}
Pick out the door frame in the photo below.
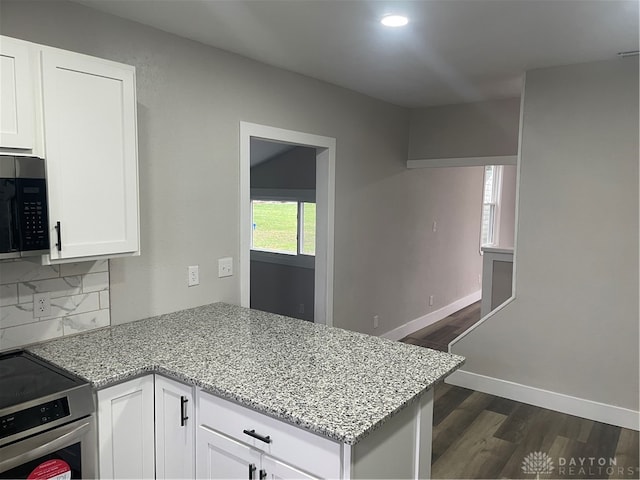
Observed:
{"x":325,"y":204}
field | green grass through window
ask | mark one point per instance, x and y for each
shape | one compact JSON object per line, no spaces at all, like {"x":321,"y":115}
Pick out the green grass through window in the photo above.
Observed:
{"x":275,"y":226}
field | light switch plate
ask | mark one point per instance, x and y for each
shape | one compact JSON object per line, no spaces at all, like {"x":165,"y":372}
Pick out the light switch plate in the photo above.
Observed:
{"x":225,"y":267}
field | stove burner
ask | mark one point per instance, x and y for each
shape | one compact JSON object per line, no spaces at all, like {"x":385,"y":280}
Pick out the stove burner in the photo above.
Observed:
{"x":25,"y":378}
{"x":36,"y":399}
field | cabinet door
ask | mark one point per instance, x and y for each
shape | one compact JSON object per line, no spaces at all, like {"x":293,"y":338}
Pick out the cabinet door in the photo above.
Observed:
{"x":125,"y":430}
{"x":220,"y":457}
{"x":174,"y":429}
{"x":275,"y":469}
{"x":91,"y":145}
{"x":16,"y":96}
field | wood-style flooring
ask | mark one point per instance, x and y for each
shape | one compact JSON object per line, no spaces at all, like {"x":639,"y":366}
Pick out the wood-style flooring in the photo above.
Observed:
{"x":439,"y":334}
{"x":476,"y":435}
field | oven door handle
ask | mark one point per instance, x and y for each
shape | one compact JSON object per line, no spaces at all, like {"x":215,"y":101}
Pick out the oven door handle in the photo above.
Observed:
{"x":66,"y":433}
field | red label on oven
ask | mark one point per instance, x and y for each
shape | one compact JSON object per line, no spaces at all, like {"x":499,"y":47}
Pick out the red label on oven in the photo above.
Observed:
{"x":51,"y":470}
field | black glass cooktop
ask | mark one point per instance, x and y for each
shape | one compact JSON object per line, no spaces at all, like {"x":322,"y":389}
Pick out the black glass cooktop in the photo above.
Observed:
{"x":23,"y":378}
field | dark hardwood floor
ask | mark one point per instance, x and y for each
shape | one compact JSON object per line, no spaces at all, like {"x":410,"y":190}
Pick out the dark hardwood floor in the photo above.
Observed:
{"x":476,"y":435}
{"x":438,"y":335}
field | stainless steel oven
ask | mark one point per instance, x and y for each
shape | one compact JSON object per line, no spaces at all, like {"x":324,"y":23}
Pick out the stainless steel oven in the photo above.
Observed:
{"x":47,"y":421}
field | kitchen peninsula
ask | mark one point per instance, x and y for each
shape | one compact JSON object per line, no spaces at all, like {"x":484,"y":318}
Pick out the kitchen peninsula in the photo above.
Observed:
{"x":274,"y":394}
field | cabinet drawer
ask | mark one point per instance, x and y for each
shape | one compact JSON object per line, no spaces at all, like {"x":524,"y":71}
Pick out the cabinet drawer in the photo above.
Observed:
{"x":308,"y":451}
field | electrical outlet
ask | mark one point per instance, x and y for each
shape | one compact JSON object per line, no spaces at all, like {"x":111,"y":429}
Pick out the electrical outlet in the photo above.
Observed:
{"x":225,"y":267}
{"x":434,"y":226}
{"x":194,"y":276}
{"x":301,"y":308}
{"x":41,"y":304}
{"x":431,"y":300}
{"x":376,"y":321}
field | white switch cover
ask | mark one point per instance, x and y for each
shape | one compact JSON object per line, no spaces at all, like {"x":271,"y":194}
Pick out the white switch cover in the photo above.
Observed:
{"x":194,"y":275}
{"x":225,"y":267}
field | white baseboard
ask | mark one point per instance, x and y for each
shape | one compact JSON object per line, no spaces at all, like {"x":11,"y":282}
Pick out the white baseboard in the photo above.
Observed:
{"x":433,"y":317}
{"x":600,"y":412}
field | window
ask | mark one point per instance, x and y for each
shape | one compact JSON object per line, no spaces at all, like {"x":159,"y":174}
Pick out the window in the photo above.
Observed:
{"x":307,"y":228}
{"x":491,"y":193}
{"x":285,"y":227}
{"x":275,"y":225}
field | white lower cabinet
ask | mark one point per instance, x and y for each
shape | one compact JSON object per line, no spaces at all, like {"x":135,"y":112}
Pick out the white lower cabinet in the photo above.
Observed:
{"x":220,"y":457}
{"x":274,"y":469}
{"x":125,"y":430}
{"x":151,"y":427}
{"x":239,"y":443}
{"x":175,"y":431}
{"x":130,"y":446}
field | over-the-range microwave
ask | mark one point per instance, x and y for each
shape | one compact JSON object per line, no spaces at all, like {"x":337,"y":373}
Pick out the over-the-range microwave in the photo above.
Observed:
{"x":24,"y":226}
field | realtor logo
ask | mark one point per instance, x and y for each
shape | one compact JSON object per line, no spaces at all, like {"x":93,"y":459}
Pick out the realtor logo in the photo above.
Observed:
{"x":537,"y":463}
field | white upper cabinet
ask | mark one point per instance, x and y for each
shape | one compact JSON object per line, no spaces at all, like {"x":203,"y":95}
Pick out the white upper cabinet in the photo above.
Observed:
{"x":91,"y":155}
{"x":79,"y":113}
{"x":16,"y":96}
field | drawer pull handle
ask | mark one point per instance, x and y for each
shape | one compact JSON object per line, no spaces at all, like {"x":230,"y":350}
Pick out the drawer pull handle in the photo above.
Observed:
{"x":252,"y":471}
{"x":183,"y":410}
{"x":252,"y":433}
{"x":263,"y":474}
{"x":58,"y":228}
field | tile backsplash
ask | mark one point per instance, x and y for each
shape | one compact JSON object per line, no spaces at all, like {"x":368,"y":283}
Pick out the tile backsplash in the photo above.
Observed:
{"x":79,"y":300}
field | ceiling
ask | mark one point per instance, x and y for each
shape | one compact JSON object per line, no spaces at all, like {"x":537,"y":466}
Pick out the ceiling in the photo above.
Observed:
{"x":452,"y":51}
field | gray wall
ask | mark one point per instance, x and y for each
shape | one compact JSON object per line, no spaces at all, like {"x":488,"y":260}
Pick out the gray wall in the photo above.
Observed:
{"x":282,"y":289}
{"x":191,"y":98}
{"x":507,"y":227}
{"x":573,"y":326}
{"x":467,"y":130}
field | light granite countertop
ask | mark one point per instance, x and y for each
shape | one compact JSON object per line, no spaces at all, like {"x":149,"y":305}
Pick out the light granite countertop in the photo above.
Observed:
{"x":334,"y":382}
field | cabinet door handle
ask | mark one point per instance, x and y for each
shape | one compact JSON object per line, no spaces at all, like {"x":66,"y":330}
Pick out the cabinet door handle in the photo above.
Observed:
{"x":252,"y":470}
{"x":252,"y":433}
{"x":263,"y":474}
{"x":59,"y":234}
{"x":183,"y":410}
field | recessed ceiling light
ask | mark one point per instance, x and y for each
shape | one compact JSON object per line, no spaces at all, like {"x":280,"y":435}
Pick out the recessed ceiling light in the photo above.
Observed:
{"x":394,"y":20}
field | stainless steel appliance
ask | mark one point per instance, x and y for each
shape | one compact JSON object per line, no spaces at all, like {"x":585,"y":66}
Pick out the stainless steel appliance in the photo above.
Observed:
{"x":47,"y":421}
{"x":24,"y":226}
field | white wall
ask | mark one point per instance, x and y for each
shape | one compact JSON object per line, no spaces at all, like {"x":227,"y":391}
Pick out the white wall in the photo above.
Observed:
{"x":191,"y":99}
{"x":573,"y":326}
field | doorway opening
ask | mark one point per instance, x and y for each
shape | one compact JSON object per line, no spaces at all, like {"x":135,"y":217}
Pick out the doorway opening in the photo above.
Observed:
{"x":283,"y":228}
{"x":299,"y":251}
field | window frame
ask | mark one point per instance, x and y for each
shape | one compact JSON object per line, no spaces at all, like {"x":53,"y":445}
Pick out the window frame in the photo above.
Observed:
{"x":494,"y":204}
{"x":299,"y":196}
